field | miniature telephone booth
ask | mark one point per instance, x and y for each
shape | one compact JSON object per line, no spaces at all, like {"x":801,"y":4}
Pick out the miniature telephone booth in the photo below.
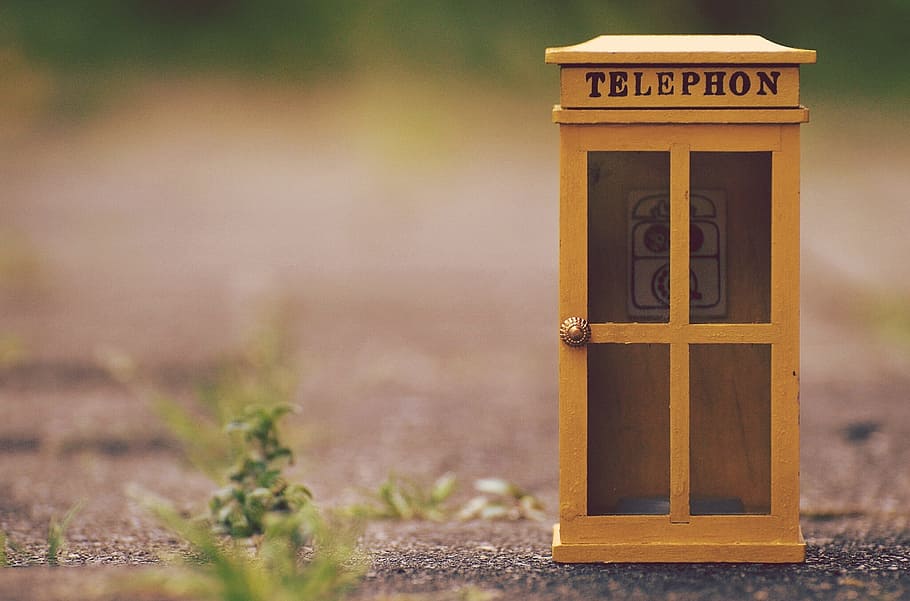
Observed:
{"x":679,"y":299}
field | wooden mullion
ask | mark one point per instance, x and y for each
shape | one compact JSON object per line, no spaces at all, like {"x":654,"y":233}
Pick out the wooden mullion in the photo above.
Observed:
{"x":679,"y":320}
{"x":624,"y":333}
{"x":679,"y":235}
{"x":726,"y":333}
{"x":679,"y":433}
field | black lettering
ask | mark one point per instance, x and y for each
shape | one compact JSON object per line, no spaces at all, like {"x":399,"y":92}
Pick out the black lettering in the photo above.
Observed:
{"x":740,"y":84}
{"x":665,"y":83}
{"x":689,"y":79}
{"x":714,"y":83}
{"x":638,"y":91}
{"x":771,"y":82}
{"x":595,"y":77}
{"x":618,"y":85}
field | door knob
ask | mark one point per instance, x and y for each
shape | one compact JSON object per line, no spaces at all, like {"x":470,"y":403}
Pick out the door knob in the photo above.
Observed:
{"x":575,"y":331}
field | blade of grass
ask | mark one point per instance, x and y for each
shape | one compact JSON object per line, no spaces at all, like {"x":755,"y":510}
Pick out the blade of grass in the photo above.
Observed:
{"x":56,"y":532}
{"x":273,"y":569}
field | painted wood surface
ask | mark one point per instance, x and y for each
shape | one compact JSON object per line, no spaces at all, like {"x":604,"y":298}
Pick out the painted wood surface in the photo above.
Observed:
{"x":664,"y":552}
{"x":679,"y":49}
{"x":715,"y":86}
{"x":661,"y":116}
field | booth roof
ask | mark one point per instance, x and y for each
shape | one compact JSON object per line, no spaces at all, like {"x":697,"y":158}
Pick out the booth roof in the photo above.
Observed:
{"x":678,"y":49}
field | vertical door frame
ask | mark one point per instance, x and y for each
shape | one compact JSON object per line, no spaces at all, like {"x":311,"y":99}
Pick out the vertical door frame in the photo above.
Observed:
{"x":782,"y":333}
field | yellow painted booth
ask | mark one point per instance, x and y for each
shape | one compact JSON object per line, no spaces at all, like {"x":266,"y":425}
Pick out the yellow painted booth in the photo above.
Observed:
{"x":679,"y":299}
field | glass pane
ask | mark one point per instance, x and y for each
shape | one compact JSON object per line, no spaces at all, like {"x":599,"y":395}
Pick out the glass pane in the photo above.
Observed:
{"x":628,"y":429}
{"x":730,"y":237}
{"x":628,"y":236}
{"x":730,"y":428}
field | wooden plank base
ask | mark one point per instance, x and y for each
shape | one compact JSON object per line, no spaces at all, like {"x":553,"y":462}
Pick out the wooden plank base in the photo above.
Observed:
{"x":777,"y":552}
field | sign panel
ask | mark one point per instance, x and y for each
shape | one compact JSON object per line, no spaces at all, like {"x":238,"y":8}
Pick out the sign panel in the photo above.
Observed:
{"x":709,"y":86}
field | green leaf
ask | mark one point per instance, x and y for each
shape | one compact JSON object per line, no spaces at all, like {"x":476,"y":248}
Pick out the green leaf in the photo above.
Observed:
{"x":443,"y":488}
{"x":57,"y":530}
{"x":279,"y":453}
{"x":399,"y":503}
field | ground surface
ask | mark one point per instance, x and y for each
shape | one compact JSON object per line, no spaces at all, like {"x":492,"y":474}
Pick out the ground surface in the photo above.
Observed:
{"x":419,"y":258}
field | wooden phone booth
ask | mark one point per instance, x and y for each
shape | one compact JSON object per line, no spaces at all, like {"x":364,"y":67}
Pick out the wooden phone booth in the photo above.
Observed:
{"x":679,"y":299}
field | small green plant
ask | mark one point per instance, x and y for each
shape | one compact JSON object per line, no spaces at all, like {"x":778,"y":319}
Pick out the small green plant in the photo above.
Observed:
{"x":501,"y":500}
{"x":299,"y":556}
{"x":407,"y":499}
{"x":8,"y":545}
{"x":256,"y":486}
{"x":264,"y":539}
{"x":56,"y":532}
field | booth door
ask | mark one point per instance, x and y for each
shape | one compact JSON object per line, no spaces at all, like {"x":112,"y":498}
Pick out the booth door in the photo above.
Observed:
{"x":678,"y":379}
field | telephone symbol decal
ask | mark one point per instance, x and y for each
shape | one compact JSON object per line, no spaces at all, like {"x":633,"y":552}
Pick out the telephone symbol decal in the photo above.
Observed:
{"x":649,"y":253}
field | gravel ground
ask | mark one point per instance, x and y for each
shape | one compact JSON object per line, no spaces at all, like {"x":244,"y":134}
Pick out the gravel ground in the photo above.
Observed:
{"x":848,"y":558}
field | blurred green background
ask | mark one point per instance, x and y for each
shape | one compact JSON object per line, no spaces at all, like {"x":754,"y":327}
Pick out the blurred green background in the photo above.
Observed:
{"x":862,"y":45}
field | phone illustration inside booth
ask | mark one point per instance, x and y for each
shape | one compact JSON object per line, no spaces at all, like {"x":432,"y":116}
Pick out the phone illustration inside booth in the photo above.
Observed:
{"x":649,"y":254}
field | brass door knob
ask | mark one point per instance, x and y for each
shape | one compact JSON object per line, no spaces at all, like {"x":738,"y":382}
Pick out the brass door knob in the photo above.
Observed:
{"x":575,"y":331}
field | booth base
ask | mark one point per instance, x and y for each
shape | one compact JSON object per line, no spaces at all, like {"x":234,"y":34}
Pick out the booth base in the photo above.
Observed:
{"x":677,"y":552}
